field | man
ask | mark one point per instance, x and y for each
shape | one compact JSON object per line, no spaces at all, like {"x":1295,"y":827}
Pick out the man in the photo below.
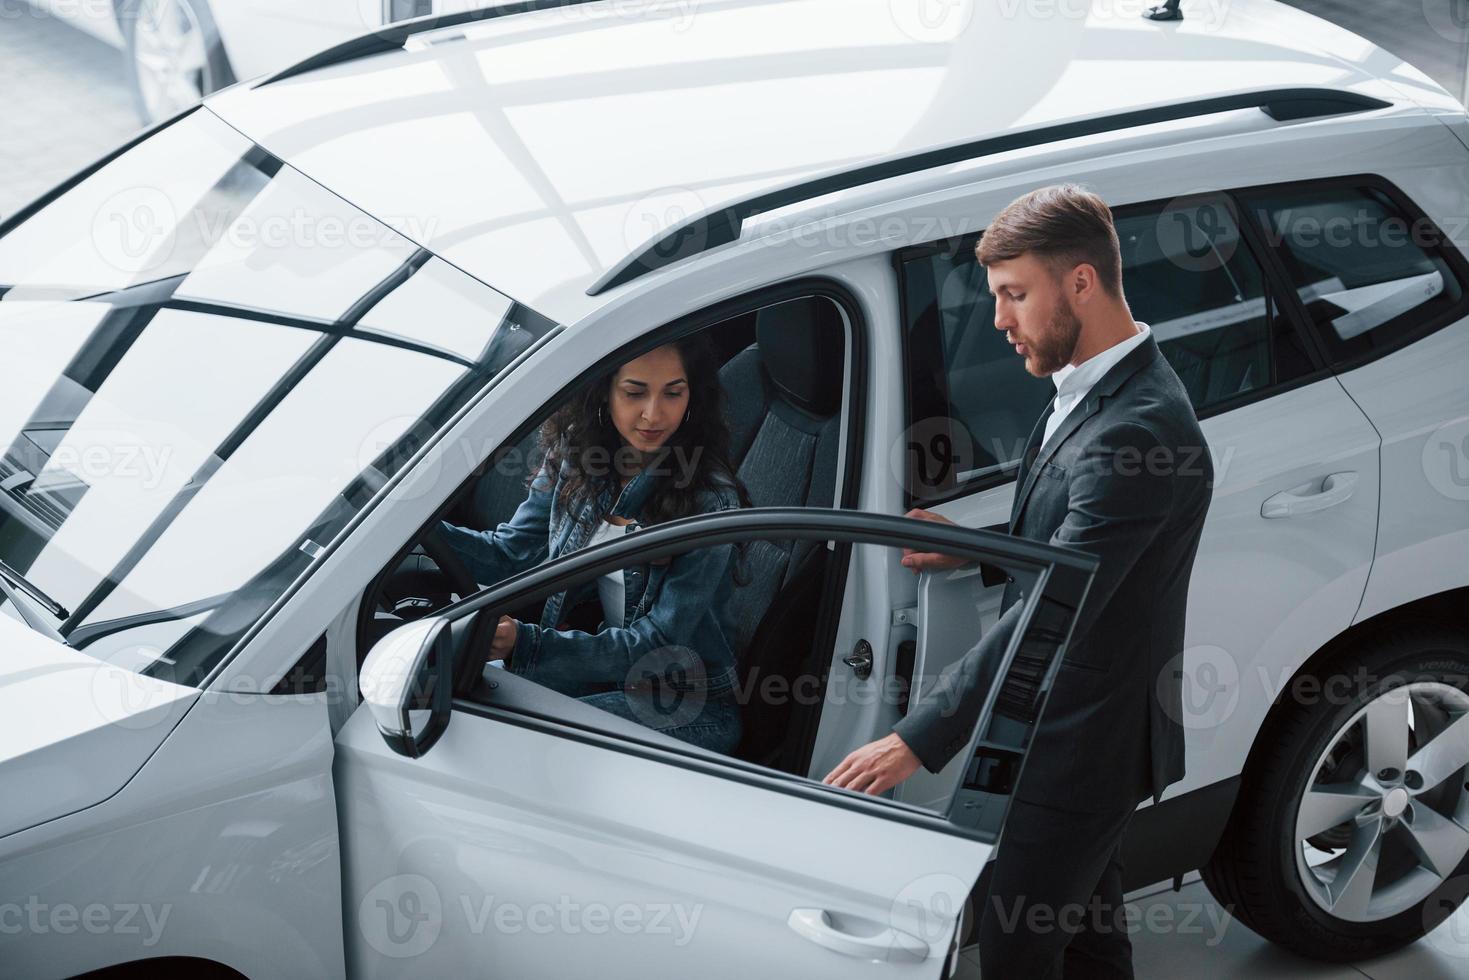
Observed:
{"x":1117,"y":467}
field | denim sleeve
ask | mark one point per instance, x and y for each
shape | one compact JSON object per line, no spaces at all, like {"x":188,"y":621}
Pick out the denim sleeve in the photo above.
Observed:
{"x":519,"y":543}
{"x":566,"y":660}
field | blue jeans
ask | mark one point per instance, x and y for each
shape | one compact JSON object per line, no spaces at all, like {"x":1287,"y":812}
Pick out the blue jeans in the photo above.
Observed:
{"x":708,"y":722}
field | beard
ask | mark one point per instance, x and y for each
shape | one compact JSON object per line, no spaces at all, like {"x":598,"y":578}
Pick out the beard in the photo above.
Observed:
{"x":1054,"y":349}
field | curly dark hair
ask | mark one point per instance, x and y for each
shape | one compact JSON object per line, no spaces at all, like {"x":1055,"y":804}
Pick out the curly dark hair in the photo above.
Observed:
{"x":581,"y":433}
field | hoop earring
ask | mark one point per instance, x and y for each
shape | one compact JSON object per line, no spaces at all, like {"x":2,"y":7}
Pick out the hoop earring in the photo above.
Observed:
{"x":601,"y":420}
{"x":689,"y":414}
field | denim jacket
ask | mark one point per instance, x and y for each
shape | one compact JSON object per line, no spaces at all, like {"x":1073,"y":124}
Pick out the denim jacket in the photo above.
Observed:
{"x":670,"y":608}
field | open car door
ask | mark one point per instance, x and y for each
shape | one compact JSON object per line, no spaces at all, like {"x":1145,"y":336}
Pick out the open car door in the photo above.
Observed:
{"x":492,"y":827}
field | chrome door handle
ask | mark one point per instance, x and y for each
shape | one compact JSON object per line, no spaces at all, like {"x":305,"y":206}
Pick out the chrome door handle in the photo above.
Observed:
{"x":1308,"y":497}
{"x":887,"y":944}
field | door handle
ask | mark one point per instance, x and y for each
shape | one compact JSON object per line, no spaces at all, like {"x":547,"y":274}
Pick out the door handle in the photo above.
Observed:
{"x":887,"y":944}
{"x":1308,"y":497}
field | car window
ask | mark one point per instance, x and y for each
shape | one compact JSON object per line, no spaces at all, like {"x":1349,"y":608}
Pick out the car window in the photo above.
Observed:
{"x":681,"y":672}
{"x":204,"y":392}
{"x":1187,"y":273}
{"x":1368,"y":273}
{"x":1192,"y":278}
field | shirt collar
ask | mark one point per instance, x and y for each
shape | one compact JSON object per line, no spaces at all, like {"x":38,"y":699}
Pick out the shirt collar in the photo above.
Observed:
{"x":1080,"y":377}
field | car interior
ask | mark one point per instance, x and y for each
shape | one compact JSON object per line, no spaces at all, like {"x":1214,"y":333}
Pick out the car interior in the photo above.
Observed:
{"x":783,"y":373}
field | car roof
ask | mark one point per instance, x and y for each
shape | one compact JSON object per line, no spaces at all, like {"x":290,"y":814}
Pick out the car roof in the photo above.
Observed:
{"x":538,"y":151}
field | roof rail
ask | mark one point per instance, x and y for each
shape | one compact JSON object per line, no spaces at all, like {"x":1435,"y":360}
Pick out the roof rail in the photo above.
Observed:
{"x":721,"y":226}
{"x":393,"y":36}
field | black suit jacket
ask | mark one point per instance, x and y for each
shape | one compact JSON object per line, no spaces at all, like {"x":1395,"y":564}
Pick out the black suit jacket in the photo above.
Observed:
{"x":1128,"y":478}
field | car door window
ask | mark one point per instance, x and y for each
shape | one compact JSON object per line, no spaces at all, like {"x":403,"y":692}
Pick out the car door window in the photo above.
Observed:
{"x":663,"y":684}
{"x":1369,"y":271}
{"x":1188,"y":273}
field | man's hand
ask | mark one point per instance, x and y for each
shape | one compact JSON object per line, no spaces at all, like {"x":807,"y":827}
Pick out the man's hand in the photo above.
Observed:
{"x":928,"y":561}
{"x":504,"y":641}
{"x":876,"y":767}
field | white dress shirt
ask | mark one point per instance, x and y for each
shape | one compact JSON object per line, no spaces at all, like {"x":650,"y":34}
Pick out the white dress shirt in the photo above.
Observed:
{"x":611,"y":588}
{"x":1074,"y":381}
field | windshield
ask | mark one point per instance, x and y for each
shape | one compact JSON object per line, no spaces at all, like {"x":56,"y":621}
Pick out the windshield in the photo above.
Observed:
{"x":209,"y":364}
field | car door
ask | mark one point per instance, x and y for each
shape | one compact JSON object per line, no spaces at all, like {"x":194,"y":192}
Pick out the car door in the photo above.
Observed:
{"x":517,"y":832}
{"x":1289,"y":537}
{"x":1387,"y":293}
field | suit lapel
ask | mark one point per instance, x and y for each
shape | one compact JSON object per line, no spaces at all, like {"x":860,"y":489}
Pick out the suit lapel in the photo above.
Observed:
{"x":1105,"y":387}
{"x":1078,"y":415}
{"x":1032,"y":446}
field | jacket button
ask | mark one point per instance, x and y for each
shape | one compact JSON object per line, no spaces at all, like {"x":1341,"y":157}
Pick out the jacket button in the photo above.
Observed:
{"x":1009,"y":579}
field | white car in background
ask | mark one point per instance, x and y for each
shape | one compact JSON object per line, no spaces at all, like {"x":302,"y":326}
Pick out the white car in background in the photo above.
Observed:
{"x":179,"y":51}
{"x":250,"y":360}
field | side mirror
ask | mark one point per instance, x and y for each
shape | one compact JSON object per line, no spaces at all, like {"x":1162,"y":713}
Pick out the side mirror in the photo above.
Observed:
{"x":405,"y":683}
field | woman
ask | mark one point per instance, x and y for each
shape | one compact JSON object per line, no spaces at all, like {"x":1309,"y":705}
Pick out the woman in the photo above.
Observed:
{"x":647,"y":444}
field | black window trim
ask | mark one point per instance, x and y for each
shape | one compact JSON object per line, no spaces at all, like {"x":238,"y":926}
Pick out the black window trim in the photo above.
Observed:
{"x":805,"y":726}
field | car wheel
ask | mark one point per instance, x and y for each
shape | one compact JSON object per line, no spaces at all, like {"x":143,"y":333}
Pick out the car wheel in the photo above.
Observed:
{"x":174,"y":55}
{"x":1350,"y":834}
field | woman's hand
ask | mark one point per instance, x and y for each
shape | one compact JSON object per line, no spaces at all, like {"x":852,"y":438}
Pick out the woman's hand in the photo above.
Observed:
{"x":504,"y":642}
{"x":928,"y":561}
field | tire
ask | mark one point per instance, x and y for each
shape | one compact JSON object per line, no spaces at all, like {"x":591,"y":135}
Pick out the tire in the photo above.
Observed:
{"x":189,"y":71}
{"x":1262,"y":869}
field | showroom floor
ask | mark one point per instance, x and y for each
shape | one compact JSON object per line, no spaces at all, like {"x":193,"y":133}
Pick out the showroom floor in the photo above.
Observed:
{"x":1197,"y":947}
{"x":65,"y":104}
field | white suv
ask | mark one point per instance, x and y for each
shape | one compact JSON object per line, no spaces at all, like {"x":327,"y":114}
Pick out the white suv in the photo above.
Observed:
{"x":251,"y":359}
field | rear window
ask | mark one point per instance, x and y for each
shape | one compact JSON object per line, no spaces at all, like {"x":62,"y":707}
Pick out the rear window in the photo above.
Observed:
{"x":1369,"y":273}
{"x":209,"y":365}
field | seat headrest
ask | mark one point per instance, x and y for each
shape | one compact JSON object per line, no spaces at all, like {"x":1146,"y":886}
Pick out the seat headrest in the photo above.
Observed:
{"x":802,"y":346}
